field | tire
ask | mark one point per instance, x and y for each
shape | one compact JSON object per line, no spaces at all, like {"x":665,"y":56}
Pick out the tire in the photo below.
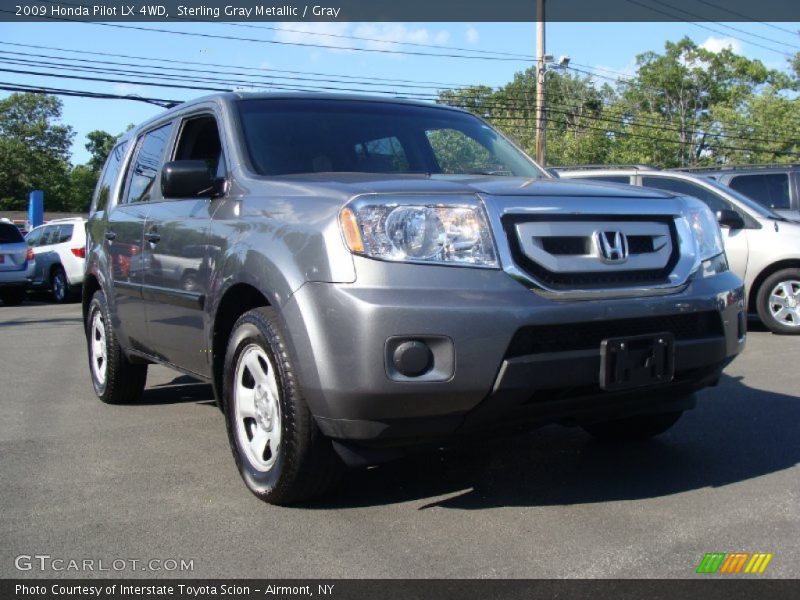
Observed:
{"x":778,"y":302}
{"x":115,"y":379}
{"x":280,"y":452}
{"x":59,"y":286}
{"x":13,"y":296}
{"x":633,"y":429}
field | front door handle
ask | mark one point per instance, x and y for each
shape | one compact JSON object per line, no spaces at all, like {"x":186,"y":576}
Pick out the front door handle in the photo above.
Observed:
{"x":152,"y":236}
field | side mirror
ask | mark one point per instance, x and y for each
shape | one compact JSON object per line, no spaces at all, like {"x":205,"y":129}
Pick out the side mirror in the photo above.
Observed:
{"x":188,"y":179}
{"x":730,"y":218}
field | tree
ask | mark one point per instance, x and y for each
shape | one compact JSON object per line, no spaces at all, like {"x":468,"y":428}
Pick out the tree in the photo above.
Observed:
{"x":34,"y":150}
{"x":99,"y":145}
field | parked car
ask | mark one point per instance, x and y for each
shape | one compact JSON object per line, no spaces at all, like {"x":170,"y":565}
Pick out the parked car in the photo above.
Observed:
{"x":16,"y":264}
{"x":60,"y":249}
{"x":373,"y":275}
{"x":775,"y":186}
{"x":763,"y":247}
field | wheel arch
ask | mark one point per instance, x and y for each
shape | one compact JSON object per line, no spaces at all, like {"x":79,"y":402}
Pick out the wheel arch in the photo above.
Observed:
{"x":235,"y":301}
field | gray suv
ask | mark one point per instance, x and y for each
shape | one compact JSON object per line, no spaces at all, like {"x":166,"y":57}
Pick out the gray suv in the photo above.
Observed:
{"x":357,"y":277}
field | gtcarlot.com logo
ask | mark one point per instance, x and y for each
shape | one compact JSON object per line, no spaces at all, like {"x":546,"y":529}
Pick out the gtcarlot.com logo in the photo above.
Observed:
{"x":732,"y":563}
{"x":45,"y":562}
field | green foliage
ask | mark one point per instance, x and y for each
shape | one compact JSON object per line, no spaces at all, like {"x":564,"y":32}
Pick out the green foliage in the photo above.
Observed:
{"x":34,"y":149}
{"x":685,"y":106}
{"x":99,"y":145}
{"x":34,"y":155}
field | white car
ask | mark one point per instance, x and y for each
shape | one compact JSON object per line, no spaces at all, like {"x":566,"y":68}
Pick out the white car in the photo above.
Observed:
{"x":60,"y":250}
{"x":763,"y":247}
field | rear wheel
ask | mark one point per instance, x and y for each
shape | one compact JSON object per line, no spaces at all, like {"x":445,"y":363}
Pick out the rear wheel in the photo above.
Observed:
{"x":778,"y":302}
{"x":59,"y":285}
{"x":631,"y":429}
{"x":12,"y":296}
{"x":280,"y":452}
{"x":115,"y":379}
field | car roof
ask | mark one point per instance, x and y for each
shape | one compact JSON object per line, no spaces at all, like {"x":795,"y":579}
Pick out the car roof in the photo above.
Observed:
{"x":230,"y":97}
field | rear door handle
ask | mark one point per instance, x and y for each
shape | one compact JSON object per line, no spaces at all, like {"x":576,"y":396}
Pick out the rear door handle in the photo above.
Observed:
{"x":111,"y":236}
{"x":152,"y":236}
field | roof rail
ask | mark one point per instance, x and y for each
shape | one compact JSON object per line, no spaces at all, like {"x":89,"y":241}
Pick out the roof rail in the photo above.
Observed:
{"x":597,"y":167}
{"x":740,"y":167}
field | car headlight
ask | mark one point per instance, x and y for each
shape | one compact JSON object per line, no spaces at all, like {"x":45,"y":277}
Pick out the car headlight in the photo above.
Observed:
{"x":706,"y":231}
{"x":408,"y":229}
{"x":708,"y":238}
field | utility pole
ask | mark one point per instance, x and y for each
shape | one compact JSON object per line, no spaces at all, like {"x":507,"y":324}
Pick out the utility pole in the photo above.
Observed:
{"x":541,"y":122}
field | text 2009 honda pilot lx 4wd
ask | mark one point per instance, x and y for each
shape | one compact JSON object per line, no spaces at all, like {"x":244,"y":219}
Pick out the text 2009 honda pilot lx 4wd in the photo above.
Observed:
{"x":356,"y":276}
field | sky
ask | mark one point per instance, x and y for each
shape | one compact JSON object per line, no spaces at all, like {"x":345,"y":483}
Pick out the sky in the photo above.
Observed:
{"x":602,"y":47}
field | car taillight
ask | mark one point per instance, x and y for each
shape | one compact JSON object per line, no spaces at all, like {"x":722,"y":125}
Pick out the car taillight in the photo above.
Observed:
{"x":79,"y":252}
{"x":29,"y":255}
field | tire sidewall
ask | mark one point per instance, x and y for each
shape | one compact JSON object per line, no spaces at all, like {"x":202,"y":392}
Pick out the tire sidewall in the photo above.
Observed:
{"x":98,"y":304}
{"x":249,"y":332}
{"x":60,"y":274}
{"x":762,"y":301}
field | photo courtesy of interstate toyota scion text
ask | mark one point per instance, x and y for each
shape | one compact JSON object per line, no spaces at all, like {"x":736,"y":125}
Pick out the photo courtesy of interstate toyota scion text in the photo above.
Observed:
{"x":359,"y":277}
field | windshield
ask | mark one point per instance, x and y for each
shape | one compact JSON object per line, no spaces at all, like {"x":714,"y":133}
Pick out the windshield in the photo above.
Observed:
{"x":757,"y":208}
{"x":291,"y":136}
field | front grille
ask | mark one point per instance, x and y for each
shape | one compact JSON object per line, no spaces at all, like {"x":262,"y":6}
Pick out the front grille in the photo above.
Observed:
{"x":540,"y":339}
{"x":560,"y":251}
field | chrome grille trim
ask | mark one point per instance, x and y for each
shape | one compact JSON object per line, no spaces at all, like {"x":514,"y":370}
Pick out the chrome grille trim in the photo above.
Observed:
{"x":532,"y":234}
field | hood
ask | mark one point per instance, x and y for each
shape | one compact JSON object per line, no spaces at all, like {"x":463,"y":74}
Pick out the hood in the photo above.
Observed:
{"x":353,"y":184}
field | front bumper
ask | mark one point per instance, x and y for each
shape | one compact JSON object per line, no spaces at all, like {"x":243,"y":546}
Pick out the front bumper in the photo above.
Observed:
{"x":339,"y":335}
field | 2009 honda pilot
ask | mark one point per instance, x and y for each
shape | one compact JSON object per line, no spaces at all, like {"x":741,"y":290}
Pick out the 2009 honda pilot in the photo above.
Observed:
{"x":356,"y":276}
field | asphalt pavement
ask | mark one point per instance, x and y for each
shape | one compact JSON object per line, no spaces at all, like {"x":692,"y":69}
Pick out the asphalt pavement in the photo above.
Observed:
{"x":80,"y":480}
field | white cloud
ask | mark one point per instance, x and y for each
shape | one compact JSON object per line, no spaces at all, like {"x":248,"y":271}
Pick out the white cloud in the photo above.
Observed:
{"x":472,"y":35}
{"x":299,"y":33}
{"x":625,"y":71}
{"x":716,"y":44}
{"x":127,"y":89}
{"x":381,"y":36}
{"x":384,"y":34}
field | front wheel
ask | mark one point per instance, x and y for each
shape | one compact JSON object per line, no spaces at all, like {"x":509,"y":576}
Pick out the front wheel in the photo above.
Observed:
{"x":632,"y":429}
{"x":778,"y":302}
{"x":280,"y":452}
{"x":115,"y":379}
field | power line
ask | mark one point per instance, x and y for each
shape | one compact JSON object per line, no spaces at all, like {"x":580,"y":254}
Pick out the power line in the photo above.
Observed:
{"x":326,"y":34}
{"x":280,"y":43}
{"x":224,"y":66}
{"x":747,"y":17}
{"x":64,"y":92}
{"x":491,"y":104}
{"x":684,"y":20}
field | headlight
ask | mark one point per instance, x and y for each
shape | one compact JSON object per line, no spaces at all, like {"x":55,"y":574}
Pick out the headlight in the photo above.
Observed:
{"x":455,"y":232}
{"x":706,"y":231}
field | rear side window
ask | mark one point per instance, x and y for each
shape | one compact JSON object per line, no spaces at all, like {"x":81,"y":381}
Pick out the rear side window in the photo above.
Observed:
{"x":102,"y":194}
{"x":9,"y":234}
{"x":146,"y":164}
{"x":687,"y":188}
{"x":62,"y":234}
{"x":769,"y":189}
{"x":48,"y":235}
